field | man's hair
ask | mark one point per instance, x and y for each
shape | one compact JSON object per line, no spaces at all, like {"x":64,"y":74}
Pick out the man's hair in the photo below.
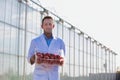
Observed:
{"x":46,"y":17}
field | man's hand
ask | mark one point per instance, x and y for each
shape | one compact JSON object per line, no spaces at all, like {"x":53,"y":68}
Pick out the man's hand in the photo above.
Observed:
{"x":61,"y":62}
{"x":32,"y":59}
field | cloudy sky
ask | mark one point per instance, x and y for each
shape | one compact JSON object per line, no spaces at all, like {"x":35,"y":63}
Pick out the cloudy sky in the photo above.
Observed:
{"x":100,"y":19}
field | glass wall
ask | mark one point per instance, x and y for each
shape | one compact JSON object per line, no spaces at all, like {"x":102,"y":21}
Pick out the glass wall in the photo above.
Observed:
{"x":20,"y":22}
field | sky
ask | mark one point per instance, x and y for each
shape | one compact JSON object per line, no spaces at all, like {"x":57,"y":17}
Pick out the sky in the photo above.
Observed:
{"x":100,"y":19}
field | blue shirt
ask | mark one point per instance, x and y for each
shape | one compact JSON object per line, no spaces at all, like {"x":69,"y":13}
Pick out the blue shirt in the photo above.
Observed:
{"x":48,"y":40}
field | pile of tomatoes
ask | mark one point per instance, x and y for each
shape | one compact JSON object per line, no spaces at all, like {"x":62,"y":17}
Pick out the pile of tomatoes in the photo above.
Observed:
{"x":49,"y":58}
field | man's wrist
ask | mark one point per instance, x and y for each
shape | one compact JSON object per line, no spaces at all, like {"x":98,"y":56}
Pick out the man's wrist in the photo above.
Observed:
{"x":32,"y":60}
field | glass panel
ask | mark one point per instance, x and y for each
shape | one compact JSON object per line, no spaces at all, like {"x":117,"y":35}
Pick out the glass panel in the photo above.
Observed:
{"x":38,"y":22}
{"x":85,"y":69}
{"x":21,"y":43}
{"x":29,"y":19}
{"x":55,"y":29}
{"x":66,"y":36}
{"x":81,"y":70}
{"x":15,"y":13}
{"x":2,"y":10}
{"x":13,"y":41}
{"x":81,"y":58}
{"x":71,"y":56}
{"x":112,"y":62}
{"x":8,"y":11}
{"x":100,"y":65}
{"x":20,"y":67}
{"x":88,"y":60}
{"x":91,"y":65}
{"x":66,"y":70}
{"x":34,"y":21}
{"x":1,"y":36}
{"x":104,"y":60}
{"x":22,"y":16}
{"x":81,"y":43}
{"x":67,"y":55}
{"x":1,"y":63}
{"x":71,"y":71}
{"x":59,"y":29}
{"x":76,"y":49}
{"x":7,"y":39}
{"x":71,"y":38}
{"x":76,"y":72}
{"x":85,"y":59}
{"x":99,"y":51}
{"x":29,"y":38}
{"x":76,"y":41}
{"x":13,"y":67}
{"x":88,"y":71}
{"x":107,"y":56}
{"x":76,"y":57}
{"x":89,"y":46}
{"x":95,"y":66}
{"x":6,"y":67}
{"x":85,"y":45}
{"x":94,"y":49}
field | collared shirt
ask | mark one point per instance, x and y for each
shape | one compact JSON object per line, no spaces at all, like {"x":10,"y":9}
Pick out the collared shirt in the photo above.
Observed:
{"x":46,"y":71}
{"x":48,"y":40}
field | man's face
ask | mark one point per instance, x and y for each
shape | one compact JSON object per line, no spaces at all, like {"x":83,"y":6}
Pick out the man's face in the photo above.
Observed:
{"x":48,"y":25}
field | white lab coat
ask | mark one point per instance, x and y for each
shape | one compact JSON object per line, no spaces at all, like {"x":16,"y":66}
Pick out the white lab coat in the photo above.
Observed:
{"x":45,"y":71}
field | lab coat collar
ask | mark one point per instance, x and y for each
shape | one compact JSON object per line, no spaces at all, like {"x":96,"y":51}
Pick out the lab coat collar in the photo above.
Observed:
{"x":54,"y":37}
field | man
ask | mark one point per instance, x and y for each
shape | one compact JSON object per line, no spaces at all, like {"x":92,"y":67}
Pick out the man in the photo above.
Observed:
{"x":46,"y":43}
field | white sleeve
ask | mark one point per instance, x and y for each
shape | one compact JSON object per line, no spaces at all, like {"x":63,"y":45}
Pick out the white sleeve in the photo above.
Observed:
{"x":63,"y":52}
{"x":31,"y":51}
